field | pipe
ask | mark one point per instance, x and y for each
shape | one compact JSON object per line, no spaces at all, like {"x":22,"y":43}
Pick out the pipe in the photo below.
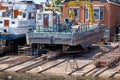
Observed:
{"x":109,"y":12}
{"x":108,"y":15}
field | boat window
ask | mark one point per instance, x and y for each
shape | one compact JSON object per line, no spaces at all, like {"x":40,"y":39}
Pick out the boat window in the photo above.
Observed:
{"x":12,"y":16}
{"x":32,"y":15}
{"x":13,"y":22}
{"x":3,"y":14}
{"x":39,"y":17}
{"x":0,"y":22}
{"x":29,"y":16}
{"x":7,"y":14}
{"x":24,"y":15}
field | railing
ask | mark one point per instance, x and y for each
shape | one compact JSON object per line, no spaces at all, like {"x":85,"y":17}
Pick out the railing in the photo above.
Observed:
{"x":83,"y":27}
{"x":62,"y":28}
{"x":117,"y":39}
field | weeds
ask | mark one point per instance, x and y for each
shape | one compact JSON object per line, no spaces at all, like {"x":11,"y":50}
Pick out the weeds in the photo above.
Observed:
{"x":27,"y":76}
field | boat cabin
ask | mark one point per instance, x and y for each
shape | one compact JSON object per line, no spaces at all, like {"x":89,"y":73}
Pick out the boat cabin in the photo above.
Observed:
{"x":17,"y":17}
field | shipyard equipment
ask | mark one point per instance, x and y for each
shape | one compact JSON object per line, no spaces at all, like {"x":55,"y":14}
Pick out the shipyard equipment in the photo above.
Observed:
{"x":78,"y":4}
{"x":52,"y":7}
{"x":64,"y":36}
{"x":52,"y":34}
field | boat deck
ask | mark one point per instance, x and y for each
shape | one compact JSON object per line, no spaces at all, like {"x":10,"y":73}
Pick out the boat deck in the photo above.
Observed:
{"x":80,"y":35}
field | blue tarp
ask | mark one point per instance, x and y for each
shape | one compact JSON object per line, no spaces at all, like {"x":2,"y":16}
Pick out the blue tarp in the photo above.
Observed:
{"x":10,"y":37}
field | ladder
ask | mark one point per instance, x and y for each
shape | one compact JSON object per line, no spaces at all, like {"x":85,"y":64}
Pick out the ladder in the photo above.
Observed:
{"x":72,"y":64}
{"x":24,"y":50}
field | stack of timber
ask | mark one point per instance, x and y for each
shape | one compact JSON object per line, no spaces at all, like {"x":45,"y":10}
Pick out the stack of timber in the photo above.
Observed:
{"x":108,"y":59}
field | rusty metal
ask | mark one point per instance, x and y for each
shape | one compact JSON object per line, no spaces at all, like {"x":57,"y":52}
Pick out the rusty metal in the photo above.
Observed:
{"x":109,"y":59}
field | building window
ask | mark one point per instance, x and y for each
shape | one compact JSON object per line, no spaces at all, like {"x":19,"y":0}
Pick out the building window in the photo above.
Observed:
{"x":3,"y":14}
{"x":98,"y":14}
{"x":101,"y":13}
{"x":76,"y":12}
{"x":87,"y":14}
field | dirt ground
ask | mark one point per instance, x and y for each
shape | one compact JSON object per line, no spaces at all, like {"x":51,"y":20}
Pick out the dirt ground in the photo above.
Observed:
{"x":24,"y":76}
{"x":56,"y":71}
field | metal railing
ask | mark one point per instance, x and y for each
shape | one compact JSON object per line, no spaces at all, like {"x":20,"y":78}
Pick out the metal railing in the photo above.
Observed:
{"x":62,"y":28}
{"x":117,"y":39}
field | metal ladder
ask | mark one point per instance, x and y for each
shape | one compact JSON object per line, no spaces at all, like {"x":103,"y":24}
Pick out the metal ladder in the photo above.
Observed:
{"x":72,"y":64}
{"x":24,"y":50}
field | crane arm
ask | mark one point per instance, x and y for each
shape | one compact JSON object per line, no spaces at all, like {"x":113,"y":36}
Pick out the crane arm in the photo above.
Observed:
{"x":80,"y":3}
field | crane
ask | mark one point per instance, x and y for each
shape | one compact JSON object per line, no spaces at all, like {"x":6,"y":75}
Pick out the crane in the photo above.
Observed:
{"x":80,"y":3}
{"x":51,"y":6}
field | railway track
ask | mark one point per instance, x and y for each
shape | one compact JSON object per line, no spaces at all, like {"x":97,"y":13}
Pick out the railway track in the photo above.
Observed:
{"x":88,"y":71}
{"x":27,"y":68}
{"x":101,"y":71}
{"x":52,"y":66}
{"x":79,"y":68}
{"x":118,"y":71}
{"x":4,"y":58}
{"x":95,"y":72}
{"x":17,"y":64}
{"x":114,"y":73}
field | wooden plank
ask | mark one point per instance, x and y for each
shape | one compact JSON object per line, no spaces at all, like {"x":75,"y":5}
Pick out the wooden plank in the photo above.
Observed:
{"x":52,"y":66}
